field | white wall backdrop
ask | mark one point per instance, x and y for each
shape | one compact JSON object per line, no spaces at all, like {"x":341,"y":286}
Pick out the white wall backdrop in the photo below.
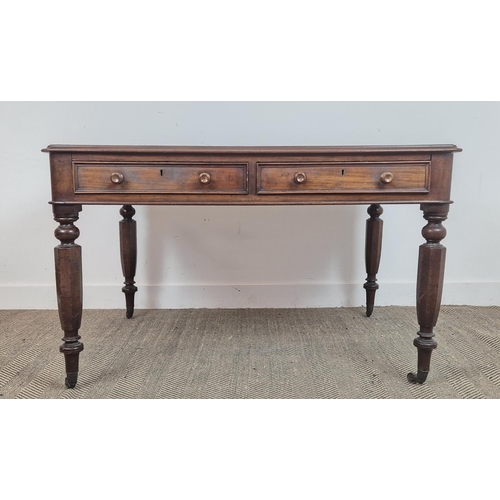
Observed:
{"x":247,"y":256}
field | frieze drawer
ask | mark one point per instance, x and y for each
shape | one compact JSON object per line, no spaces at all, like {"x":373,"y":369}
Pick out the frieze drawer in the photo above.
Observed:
{"x":275,"y":178}
{"x":192,"y":178}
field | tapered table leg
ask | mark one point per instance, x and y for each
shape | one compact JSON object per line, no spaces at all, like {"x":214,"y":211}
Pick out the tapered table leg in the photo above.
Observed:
{"x":128,"y":253}
{"x":373,"y":250}
{"x":68,"y":267}
{"x":431,"y":262}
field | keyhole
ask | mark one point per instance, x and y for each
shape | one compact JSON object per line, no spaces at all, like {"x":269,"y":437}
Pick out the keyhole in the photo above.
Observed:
{"x":342,"y":171}
{"x":161,"y":172}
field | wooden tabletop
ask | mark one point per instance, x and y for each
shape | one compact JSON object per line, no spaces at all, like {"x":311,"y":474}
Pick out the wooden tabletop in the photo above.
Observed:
{"x":424,"y":148}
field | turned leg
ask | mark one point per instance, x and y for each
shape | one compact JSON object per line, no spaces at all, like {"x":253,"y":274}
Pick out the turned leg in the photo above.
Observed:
{"x":68,"y":264}
{"x":373,"y":250}
{"x":431,"y":260}
{"x":128,"y":252}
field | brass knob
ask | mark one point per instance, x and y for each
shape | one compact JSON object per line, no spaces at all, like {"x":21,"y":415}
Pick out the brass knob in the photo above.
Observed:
{"x":386,"y":177}
{"x":205,"y":178}
{"x":300,"y":177}
{"x":117,"y":178}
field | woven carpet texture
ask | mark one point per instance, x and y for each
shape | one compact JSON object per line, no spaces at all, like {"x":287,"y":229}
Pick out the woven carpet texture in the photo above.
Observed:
{"x":252,"y":353}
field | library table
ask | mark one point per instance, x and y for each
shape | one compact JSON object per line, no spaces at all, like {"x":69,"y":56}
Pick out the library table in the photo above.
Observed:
{"x":201,"y":175}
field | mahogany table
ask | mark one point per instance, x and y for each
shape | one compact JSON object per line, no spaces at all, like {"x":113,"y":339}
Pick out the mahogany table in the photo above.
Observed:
{"x":175,"y":175}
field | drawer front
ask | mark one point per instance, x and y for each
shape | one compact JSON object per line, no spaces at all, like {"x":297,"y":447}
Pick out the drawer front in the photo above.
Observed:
{"x":287,"y":178}
{"x":186,"y":178}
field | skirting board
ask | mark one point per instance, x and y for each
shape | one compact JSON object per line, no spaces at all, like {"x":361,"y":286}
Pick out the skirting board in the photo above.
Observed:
{"x":248,"y":296}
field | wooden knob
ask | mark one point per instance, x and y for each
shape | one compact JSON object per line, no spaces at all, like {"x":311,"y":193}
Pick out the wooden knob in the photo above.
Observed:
{"x":205,"y":178}
{"x":117,"y":178}
{"x":386,"y":177}
{"x":300,"y":177}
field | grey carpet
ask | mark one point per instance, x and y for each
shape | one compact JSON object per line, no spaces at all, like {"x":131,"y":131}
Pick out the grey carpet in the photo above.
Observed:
{"x":252,"y":353}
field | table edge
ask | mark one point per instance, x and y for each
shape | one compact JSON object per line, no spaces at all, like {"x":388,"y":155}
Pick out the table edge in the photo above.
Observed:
{"x":423,"y":148}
